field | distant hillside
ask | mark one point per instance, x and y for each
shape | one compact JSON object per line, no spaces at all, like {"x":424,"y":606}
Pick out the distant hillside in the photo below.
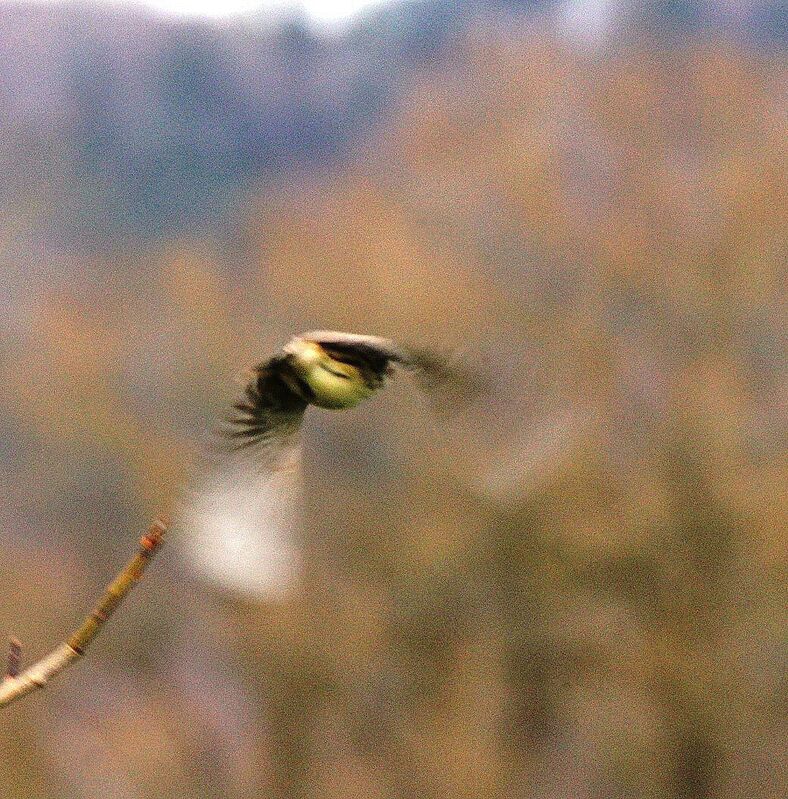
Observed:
{"x":148,"y":123}
{"x":116,"y":122}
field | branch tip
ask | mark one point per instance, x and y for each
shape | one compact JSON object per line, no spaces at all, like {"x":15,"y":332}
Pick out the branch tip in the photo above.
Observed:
{"x":20,"y":683}
{"x":152,"y":540}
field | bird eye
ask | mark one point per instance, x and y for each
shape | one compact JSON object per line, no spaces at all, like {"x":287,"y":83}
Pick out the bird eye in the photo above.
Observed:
{"x":334,"y":372}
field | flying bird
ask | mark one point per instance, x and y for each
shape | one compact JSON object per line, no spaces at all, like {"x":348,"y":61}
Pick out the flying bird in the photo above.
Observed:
{"x":334,"y":370}
{"x":240,"y":515}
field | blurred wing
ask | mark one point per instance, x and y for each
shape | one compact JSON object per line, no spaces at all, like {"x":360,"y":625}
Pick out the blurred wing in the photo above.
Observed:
{"x":237,"y":522}
{"x":271,"y":410}
{"x":448,"y":381}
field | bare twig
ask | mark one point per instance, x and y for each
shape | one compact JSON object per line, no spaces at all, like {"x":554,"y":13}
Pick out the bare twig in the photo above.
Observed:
{"x":17,"y":684}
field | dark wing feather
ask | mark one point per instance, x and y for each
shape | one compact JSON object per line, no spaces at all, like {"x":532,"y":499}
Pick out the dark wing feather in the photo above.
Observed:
{"x":375,"y":350}
{"x":272,"y":406}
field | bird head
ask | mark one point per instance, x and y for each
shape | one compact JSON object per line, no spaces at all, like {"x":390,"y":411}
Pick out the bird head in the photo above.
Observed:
{"x":335,"y":383}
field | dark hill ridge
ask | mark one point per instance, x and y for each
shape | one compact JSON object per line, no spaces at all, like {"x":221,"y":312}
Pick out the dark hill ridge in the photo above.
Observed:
{"x":117,"y":122}
{"x":148,"y":123}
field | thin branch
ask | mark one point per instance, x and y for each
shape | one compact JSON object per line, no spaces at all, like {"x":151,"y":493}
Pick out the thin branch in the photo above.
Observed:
{"x":18,"y":684}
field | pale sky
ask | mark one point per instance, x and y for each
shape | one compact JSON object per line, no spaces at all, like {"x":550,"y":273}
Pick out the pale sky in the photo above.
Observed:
{"x":321,"y":11}
{"x":589,"y":19}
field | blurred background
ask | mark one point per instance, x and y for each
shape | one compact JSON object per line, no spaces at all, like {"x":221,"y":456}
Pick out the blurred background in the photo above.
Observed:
{"x":574,"y":589}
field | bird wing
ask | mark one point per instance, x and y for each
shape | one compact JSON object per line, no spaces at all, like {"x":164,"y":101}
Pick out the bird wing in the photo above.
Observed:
{"x":271,"y":409}
{"x":448,"y":383}
{"x":372,"y":352}
{"x":236,"y":518}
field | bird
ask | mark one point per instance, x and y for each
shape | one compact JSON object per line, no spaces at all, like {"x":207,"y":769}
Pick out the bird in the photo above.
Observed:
{"x":240,"y":514}
{"x":333,"y":370}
